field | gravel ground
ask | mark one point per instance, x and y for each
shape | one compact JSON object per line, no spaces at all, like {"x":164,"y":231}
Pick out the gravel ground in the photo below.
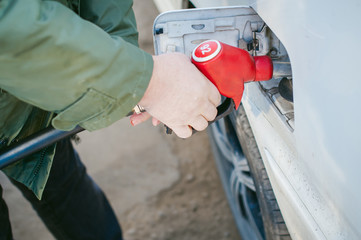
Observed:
{"x":160,"y":187}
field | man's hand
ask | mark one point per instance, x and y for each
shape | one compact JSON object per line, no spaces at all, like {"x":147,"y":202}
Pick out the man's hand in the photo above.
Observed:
{"x":179,"y":96}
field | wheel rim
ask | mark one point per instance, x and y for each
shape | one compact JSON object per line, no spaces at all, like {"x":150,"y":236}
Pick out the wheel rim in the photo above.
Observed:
{"x":237,"y":180}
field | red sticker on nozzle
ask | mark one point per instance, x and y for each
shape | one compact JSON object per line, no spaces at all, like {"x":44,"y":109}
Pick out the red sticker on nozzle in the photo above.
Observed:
{"x":206,"y":51}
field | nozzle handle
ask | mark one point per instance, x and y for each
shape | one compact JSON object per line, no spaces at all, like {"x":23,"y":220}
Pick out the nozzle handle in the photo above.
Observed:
{"x":222,"y":110}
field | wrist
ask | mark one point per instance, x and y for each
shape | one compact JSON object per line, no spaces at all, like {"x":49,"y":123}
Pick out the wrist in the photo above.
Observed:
{"x":145,"y":101}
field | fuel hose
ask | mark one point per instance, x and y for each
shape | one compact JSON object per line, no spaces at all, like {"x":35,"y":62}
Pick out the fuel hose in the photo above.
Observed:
{"x":33,"y":144}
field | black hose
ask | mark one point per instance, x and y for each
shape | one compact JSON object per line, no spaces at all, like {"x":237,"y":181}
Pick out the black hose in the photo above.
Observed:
{"x":33,"y":144}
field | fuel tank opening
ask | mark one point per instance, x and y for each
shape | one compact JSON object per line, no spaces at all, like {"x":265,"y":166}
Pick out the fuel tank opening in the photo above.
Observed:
{"x":285,"y":89}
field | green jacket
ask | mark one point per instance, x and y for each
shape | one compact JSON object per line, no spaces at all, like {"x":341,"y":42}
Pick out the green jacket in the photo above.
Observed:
{"x":65,"y":63}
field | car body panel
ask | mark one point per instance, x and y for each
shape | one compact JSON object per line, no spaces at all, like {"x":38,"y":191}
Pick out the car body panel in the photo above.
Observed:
{"x":314,"y":170}
{"x":327,"y":111}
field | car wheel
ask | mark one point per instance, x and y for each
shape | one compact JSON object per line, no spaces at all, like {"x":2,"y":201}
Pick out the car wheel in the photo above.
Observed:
{"x":187,"y":4}
{"x":244,"y":178}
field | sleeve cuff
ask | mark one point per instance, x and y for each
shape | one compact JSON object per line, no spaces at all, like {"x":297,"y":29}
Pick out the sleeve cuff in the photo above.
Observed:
{"x":96,"y":109}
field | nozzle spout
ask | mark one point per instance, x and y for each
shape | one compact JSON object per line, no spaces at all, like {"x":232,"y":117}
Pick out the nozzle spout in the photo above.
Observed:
{"x":264,"y":68}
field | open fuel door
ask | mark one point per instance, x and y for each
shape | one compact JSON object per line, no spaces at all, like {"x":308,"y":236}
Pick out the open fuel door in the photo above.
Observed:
{"x":182,"y":31}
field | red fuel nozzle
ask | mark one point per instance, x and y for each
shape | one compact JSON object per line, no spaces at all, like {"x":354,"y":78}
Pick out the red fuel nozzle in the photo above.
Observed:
{"x":230,"y":67}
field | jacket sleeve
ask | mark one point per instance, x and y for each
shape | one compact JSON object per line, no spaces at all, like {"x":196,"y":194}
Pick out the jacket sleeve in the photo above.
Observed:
{"x":116,"y":17}
{"x":53,"y":59}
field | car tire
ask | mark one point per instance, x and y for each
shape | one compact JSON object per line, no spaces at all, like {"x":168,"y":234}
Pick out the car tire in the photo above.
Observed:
{"x":251,"y":197}
{"x":274,"y":225}
{"x":187,"y":4}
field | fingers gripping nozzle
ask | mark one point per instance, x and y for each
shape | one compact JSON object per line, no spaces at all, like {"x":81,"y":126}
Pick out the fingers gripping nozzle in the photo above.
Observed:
{"x":228,"y":68}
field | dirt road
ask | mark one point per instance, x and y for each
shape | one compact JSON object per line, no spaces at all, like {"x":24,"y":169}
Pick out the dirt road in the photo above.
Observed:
{"x":160,"y":187}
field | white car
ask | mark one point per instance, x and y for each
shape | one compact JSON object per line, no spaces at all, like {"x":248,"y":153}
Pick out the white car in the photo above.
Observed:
{"x":289,"y":158}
